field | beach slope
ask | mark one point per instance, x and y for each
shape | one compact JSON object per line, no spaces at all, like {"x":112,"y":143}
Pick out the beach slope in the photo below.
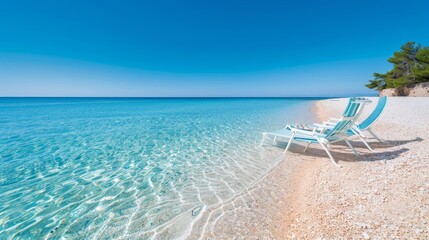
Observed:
{"x":379,"y":195}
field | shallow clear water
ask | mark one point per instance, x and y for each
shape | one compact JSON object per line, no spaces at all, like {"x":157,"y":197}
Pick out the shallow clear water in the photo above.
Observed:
{"x":78,"y":168}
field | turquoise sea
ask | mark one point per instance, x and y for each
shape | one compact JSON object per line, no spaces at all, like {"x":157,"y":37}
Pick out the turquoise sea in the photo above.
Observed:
{"x":109,"y":168}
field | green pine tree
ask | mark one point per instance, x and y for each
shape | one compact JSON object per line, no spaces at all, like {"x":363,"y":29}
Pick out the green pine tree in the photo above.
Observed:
{"x":379,"y":82}
{"x":410,"y":66}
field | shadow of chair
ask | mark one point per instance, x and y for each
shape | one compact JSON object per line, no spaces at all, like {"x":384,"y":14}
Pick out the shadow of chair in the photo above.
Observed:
{"x":343,"y":153}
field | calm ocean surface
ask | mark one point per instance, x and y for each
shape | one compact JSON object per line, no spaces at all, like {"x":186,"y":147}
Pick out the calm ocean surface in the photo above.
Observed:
{"x":82,"y":168}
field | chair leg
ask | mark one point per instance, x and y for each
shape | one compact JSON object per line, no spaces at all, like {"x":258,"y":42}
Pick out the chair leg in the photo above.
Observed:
{"x":329,"y":154}
{"x":352,"y":148}
{"x":373,"y":134}
{"x":308,"y":144}
{"x":366,"y":144}
{"x":289,"y":143}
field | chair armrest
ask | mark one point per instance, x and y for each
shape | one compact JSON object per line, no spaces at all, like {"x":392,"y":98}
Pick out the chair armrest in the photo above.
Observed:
{"x":364,"y":100}
{"x":309,"y":133}
{"x":321,"y":125}
{"x":297,"y":130}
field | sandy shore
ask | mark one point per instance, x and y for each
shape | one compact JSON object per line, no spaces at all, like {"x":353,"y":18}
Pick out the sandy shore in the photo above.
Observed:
{"x":380,"y":195}
{"x":375,"y":196}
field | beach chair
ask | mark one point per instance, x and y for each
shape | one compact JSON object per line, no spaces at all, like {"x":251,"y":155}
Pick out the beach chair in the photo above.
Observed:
{"x":335,"y":133}
{"x":365,"y":125}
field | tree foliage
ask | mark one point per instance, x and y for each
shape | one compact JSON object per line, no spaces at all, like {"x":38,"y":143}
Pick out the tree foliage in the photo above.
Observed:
{"x":410,"y":66}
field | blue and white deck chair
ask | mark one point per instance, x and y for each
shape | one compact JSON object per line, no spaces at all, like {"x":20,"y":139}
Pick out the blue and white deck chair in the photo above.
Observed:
{"x":336,"y":133}
{"x":359,"y":128}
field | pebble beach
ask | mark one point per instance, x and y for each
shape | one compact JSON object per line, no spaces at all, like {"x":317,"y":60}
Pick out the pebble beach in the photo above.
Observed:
{"x":375,"y":196}
{"x":380,"y":195}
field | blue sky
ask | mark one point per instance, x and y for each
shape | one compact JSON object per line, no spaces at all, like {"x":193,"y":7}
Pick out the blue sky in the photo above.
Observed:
{"x":201,"y":48}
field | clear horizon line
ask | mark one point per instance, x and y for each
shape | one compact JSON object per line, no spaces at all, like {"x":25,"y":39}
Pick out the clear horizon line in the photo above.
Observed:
{"x":334,"y":96}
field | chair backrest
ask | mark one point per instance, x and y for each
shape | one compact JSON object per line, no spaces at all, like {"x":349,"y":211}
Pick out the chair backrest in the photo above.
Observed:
{"x":353,"y":110}
{"x":374,"y":115}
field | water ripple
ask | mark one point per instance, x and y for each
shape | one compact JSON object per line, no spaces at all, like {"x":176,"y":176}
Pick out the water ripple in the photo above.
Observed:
{"x":125,"y":169}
